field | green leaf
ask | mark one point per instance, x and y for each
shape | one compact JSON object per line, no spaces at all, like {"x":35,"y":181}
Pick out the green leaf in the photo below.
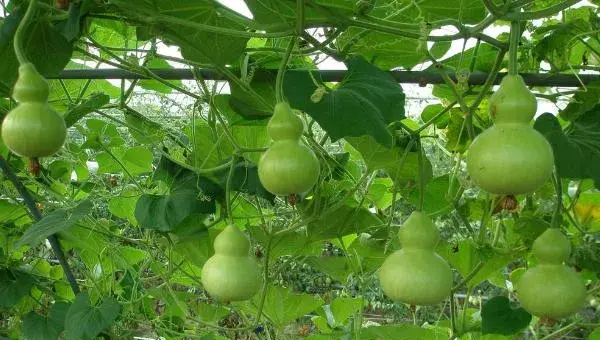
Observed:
{"x":582,"y":101}
{"x":277,"y":11}
{"x":154,"y":85}
{"x":499,"y":318}
{"x":335,"y":266}
{"x":282,"y":306}
{"x":403,"y":332}
{"x":387,"y":51}
{"x":123,"y":206}
{"x":10,"y":212}
{"x":44,"y":46}
{"x":58,"y":220}
{"x":86,"y":321}
{"x":457,"y":136}
{"x":94,"y":102}
{"x":142,"y":129}
{"x":37,"y":327}
{"x":576,"y":153}
{"x":467,"y":257}
{"x":377,"y":156}
{"x":189,"y":195}
{"x":438,"y":195}
{"x":342,"y":221}
{"x":595,"y":335}
{"x":364,"y":103}
{"x":196,"y":44}
{"x":241,"y":102}
{"x":430,"y":111}
{"x":343,"y":308}
{"x":14,"y":285}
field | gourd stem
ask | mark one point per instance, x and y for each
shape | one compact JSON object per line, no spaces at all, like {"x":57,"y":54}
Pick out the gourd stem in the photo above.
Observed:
{"x":281,"y":71}
{"x":421,"y":162}
{"x":18,"y":39}
{"x":515,"y":35}
{"x":228,"y":189}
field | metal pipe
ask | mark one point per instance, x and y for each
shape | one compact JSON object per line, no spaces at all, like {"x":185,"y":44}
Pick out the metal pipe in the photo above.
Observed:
{"x":405,"y":77}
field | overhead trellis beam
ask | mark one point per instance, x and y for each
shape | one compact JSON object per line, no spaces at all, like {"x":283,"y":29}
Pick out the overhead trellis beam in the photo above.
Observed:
{"x":406,"y":77}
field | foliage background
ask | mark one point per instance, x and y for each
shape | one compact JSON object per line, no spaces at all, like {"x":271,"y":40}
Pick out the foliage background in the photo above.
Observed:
{"x":137,"y":194}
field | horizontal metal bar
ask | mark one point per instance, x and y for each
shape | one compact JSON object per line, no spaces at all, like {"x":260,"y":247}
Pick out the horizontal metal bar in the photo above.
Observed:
{"x":406,"y":77}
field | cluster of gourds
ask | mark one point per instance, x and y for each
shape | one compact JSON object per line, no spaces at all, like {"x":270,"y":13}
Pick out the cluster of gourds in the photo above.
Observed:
{"x":508,"y":158}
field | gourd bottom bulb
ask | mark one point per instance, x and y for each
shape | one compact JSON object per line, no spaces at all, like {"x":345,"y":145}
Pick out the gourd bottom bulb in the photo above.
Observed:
{"x":33,"y":130}
{"x":510,"y":159}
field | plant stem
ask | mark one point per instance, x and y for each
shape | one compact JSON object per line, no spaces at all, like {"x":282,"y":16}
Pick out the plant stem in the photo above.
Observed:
{"x":515,"y":36}
{"x":555,"y":222}
{"x":37,"y":215}
{"x":265,"y":286}
{"x":421,"y":162}
{"x":546,"y":12}
{"x":228,"y":189}
{"x":20,"y":32}
{"x":281,"y":72}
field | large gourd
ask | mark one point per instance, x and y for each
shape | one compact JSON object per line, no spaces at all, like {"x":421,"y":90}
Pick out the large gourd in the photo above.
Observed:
{"x":288,"y":166}
{"x":231,"y":274}
{"x":33,"y":128}
{"x":551,"y":289}
{"x":416,"y":274}
{"x":511,"y":157}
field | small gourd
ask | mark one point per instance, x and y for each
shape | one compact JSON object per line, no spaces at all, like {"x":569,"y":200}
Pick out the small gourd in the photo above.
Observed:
{"x":231,"y":274}
{"x":33,"y":128}
{"x":416,"y":274}
{"x":511,"y":157}
{"x":551,"y":289}
{"x":288,"y":166}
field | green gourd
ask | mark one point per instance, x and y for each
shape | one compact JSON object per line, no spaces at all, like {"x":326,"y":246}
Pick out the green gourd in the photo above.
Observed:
{"x":416,"y":274}
{"x":33,"y":128}
{"x":231,"y":274}
{"x":511,"y":157}
{"x":551,"y":289}
{"x":288,"y":166}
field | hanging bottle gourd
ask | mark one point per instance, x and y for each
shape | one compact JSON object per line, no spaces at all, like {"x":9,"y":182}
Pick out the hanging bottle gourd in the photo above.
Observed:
{"x":33,"y":128}
{"x":231,"y":274}
{"x":416,"y":274}
{"x":511,"y":157}
{"x":288,"y":166}
{"x":551,"y":289}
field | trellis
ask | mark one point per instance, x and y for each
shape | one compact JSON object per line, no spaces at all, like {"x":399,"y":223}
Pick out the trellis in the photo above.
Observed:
{"x":406,"y":77}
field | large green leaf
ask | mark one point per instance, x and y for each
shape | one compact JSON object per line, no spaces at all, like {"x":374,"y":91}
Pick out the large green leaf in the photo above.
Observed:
{"x":466,"y":11}
{"x":38,"y":327}
{"x":342,"y":221}
{"x":400,"y":164}
{"x":44,"y":46}
{"x":388,"y":51}
{"x":403,"y":332}
{"x":465,"y":257}
{"x":54,"y":222}
{"x":86,"y":321}
{"x":364,"y":103}
{"x":282,"y":306}
{"x":196,"y":44}
{"x":95,"y":102}
{"x":154,"y":85}
{"x":189,"y":195}
{"x":500,"y":318}
{"x":284,"y":11}
{"x":14,"y":285}
{"x":576,"y":152}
